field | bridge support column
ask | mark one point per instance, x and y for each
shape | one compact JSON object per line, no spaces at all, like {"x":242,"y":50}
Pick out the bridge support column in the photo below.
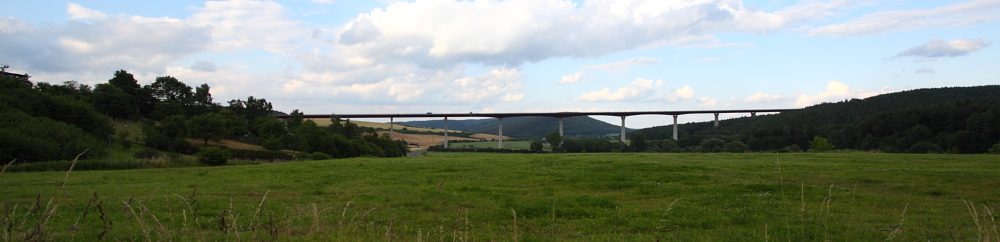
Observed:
{"x":500,"y":138}
{"x":716,"y":119}
{"x":753,"y":114}
{"x":560,"y":127}
{"x":445,"y":132}
{"x":675,"y":127}
{"x":390,"y":129}
{"x":623,"y":130}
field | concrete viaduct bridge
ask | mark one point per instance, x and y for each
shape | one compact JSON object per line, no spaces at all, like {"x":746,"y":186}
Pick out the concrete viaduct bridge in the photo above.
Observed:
{"x":560,"y":115}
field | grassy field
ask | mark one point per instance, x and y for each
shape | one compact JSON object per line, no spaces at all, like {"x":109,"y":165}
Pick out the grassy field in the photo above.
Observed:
{"x":524,"y":197}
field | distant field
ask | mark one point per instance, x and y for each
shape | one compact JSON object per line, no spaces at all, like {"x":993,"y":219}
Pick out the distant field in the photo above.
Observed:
{"x":514,"y":145}
{"x":325,"y":122}
{"x":554,"y":197}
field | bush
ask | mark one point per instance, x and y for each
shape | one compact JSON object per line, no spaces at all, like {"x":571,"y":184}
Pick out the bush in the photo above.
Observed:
{"x":213,"y":156}
{"x":712,"y":145}
{"x":319,"y":156}
{"x":536,"y":146}
{"x":924,"y":147}
{"x":995,"y":149}
{"x":147,"y":153}
{"x":820,"y":144}
{"x":794,"y":148}
{"x":736,"y":147}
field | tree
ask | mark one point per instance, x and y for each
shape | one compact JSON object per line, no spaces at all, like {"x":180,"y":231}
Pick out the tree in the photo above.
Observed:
{"x":536,"y":146}
{"x":173,"y":127}
{"x":123,"y":139}
{"x":126,"y":82}
{"x":112,"y":101}
{"x":252,"y":108}
{"x":169,"y":89}
{"x":639,"y":143}
{"x":820,"y":144}
{"x":295,"y":119}
{"x":270,"y":128}
{"x":555,"y":140}
{"x":207,"y":127}
{"x":203,"y":100}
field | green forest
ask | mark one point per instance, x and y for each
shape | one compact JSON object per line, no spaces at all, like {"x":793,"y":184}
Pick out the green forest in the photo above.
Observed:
{"x":48,"y":122}
{"x":935,"y":120}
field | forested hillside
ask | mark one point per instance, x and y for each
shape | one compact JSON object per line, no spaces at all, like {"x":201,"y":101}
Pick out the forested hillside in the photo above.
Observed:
{"x":43,"y":122}
{"x":528,"y":127}
{"x":954,"y":119}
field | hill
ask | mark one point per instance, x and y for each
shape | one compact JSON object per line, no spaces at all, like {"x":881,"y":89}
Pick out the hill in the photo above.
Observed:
{"x":527,"y":127}
{"x":955,"y":119}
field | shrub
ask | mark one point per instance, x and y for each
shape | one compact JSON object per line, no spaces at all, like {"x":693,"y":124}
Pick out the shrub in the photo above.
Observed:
{"x":794,"y":148}
{"x":995,"y":149}
{"x":820,"y":144}
{"x":712,"y":145}
{"x":319,"y":156}
{"x":924,"y":147}
{"x":213,"y":156}
{"x":736,"y":147}
{"x":147,"y":153}
{"x":536,"y":146}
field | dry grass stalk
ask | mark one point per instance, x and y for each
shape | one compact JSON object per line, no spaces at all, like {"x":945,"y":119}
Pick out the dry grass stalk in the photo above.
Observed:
{"x":898,"y":229}
{"x":5,"y":166}
{"x":515,"y":224}
{"x":826,"y":220}
{"x":63,"y":187}
{"x":440,"y":185}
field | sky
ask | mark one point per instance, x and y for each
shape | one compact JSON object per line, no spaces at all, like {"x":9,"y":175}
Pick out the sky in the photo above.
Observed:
{"x":447,"y":56}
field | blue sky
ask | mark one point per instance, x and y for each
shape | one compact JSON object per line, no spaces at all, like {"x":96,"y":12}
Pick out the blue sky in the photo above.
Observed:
{"x":514,"y":56}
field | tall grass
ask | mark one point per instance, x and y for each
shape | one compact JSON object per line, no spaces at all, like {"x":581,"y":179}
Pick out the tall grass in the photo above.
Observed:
{"x":476,"y":197}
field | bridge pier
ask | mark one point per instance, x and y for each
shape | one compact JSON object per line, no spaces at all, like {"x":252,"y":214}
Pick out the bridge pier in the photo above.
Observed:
{"x":561,"y":131}
{"x":716,"y":120}
{"x":623,"y":130}
{"x":753,"y":114}
{"x":390,"y":129}
{"x":445,"y":132}
{"x":675,"y":127}
{"x":501,"y":133}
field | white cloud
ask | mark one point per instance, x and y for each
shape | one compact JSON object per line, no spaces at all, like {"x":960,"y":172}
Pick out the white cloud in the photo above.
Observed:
{"x":623,"y":65}
{"x":638,"y":89}
{"x":761,"y":97}
{"x":926,"y":70}
{"x":512,"y":97}
{"x":577,"y":77}
{"x":239,"y":25}
{"x":100,"y":43}
{"x":707,"y":102}
{"x":941,"y":48}
{"x":76,"y":11}
{"x":707,"y":60}
{"x":950,"y":16}
{"x":436,"y":33}
{"x":835,"y":91}
{"x":677,"y":94}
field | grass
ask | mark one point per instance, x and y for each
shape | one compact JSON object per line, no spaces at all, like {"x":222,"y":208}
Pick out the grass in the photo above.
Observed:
{"x":476,"y":197}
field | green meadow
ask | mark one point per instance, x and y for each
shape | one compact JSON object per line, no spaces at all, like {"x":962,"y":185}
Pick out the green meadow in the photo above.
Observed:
{"x":522,"y":197}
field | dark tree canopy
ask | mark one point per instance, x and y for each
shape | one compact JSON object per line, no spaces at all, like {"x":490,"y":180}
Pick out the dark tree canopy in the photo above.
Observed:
{"x":112,"y":101}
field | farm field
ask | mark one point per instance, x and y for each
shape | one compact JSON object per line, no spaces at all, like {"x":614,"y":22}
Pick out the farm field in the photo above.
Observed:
{"x":525,"y":197}
{"x":514,"y":145}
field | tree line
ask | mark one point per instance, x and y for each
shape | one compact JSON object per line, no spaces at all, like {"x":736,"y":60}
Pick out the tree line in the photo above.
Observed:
{"x":938,"y":120}
{"x":43,"y":121}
